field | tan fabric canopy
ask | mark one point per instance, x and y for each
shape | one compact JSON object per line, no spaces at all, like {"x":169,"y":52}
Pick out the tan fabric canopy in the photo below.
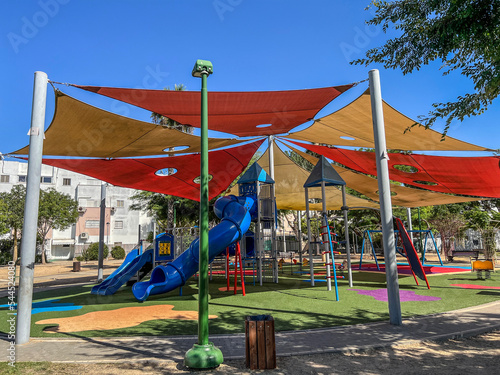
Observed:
{"x":352,"y":126}
{"x":79,"y":129}
{"x":290,"y":193}
{"x":404,"y":196}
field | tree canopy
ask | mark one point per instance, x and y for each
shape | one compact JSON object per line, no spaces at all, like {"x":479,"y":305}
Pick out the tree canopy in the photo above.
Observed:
{"x":56,"y":211}
{"x":13,"y":218}
{"x":463,"y":34}
{"x":3,"y":217}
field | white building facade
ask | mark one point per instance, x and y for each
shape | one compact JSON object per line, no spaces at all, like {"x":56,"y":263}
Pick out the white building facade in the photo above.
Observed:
{"x":122,"y":227}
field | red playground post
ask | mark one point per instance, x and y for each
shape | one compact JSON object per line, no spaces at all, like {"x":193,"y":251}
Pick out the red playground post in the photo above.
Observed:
{"x":237,"y":266}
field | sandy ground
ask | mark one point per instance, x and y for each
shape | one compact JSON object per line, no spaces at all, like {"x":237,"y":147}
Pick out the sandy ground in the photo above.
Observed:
{"x":475,"y":355}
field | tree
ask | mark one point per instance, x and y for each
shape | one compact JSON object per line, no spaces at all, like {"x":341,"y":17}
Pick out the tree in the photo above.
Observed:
{"x":161,"y":207}
{"x":3,"y":217}
{"x":56,"y":211}
{"x":14,"y":217}
{"x":481,"y":217}
{"x":448,"y":221}
{"x":464,"y":35}
{"x":158,"y":119}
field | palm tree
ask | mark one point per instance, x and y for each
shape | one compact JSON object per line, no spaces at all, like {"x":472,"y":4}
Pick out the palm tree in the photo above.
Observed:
{"x":158,"y":119}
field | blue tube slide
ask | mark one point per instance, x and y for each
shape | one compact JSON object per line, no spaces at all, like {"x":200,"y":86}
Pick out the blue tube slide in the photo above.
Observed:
{"x":130,"y":266}
{"x":235,"y":213}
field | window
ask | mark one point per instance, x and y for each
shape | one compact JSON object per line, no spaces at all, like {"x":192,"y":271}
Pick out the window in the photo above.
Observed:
{"x":66,"y":181}
{"x":5,"y":178}
{"x":22,"y":178}
{"x":92,"y":224}
{"x":46,"y":180}
{"x":120,"y":203}
{"x":119,"y":224}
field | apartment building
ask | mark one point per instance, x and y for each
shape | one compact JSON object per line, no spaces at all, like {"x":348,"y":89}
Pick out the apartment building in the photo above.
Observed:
{"x":122,"y":227}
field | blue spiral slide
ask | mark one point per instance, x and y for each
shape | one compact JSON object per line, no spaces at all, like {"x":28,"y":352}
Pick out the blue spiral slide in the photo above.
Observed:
{"x":132,"y":264}
{"x":236,"y":214}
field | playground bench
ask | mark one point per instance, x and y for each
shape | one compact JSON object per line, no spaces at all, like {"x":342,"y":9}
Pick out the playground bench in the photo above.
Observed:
{"x":464,"y":253}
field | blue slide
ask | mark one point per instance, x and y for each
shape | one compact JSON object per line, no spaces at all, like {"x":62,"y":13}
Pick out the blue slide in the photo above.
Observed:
{"x":129,"y":268}
{"x":235,"y":213}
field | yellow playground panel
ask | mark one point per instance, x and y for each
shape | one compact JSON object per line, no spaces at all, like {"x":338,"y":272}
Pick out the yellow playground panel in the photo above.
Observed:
{"x":483,"y":265}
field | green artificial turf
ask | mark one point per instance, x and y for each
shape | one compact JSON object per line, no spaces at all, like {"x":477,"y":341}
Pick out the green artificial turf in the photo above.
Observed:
{"x":293,"y":303}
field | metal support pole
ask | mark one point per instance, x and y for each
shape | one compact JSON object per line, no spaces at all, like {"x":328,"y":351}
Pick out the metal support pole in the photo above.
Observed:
{"x":326,"y":245}
{"x":308,"y":219}
{"x":260,"y":237}
{"x":270,"y":140}
{"x":30,"y":225}
{"x":420,"y":236}
{"x":328,"y":272}
{"x":347,"y":244}
{"x":154,"y":244}
{"x":391,"y":271}
{"x":102,"y":223}
{"x":299,"y":219}
{"x":204,"y":355}
{"x":410,"y":226}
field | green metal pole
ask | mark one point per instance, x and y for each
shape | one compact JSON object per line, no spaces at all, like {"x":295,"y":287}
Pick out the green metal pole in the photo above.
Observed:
{"x":203,"y":283}
{"x":203,"y":355}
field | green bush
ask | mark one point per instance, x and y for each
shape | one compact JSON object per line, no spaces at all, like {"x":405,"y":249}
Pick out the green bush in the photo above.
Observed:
{"x":92,"y":252}
{"x":5,"y":257}
{"x":117,"y":252}
{"x":80,"y":258}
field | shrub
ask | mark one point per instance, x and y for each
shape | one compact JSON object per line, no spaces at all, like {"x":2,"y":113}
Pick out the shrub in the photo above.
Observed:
{"x":92,"y":252}
{"x":5,"y":257}
{"x":117,"y":252}
{"x":80,"y":258}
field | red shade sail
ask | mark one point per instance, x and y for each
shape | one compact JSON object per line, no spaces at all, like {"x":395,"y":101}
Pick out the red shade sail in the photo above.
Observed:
{"x":477,"y":176}
{"x":224,"y":167}
{"x":240,"y":113}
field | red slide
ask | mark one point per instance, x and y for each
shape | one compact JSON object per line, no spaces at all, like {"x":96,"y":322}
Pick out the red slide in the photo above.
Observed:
{"x":411,"y":253}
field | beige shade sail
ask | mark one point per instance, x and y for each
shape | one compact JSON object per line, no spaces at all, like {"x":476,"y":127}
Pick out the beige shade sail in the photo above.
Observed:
{"x":290,"y":193}
{"x":79,"y":129}
{"x":353,"y":126}
{"x":401,"y":196}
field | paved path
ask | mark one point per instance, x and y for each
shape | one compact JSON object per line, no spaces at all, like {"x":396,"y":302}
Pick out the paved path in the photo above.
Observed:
{"x":465,"y":322}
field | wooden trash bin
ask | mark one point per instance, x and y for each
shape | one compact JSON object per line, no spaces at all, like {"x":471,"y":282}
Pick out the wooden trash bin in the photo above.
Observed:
{"x":260,"y":345}
{"x":76,"y":266}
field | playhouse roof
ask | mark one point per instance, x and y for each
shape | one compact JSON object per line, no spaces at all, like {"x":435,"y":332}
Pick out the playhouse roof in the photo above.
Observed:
{"x":323,"y":172}
{"x":255,"y":173}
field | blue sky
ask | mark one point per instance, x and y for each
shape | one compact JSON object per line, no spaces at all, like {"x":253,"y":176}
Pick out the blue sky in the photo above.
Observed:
{"x":253,"y":45}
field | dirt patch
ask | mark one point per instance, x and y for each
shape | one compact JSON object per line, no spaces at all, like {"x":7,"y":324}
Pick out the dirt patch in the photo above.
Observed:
{"x":119,"y":318}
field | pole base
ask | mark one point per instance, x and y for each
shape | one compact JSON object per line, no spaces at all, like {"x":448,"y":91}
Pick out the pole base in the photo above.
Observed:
{"x":203,"y":356}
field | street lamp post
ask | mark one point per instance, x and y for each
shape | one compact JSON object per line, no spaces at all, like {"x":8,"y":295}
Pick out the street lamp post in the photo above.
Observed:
{"x":203,"y":355}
